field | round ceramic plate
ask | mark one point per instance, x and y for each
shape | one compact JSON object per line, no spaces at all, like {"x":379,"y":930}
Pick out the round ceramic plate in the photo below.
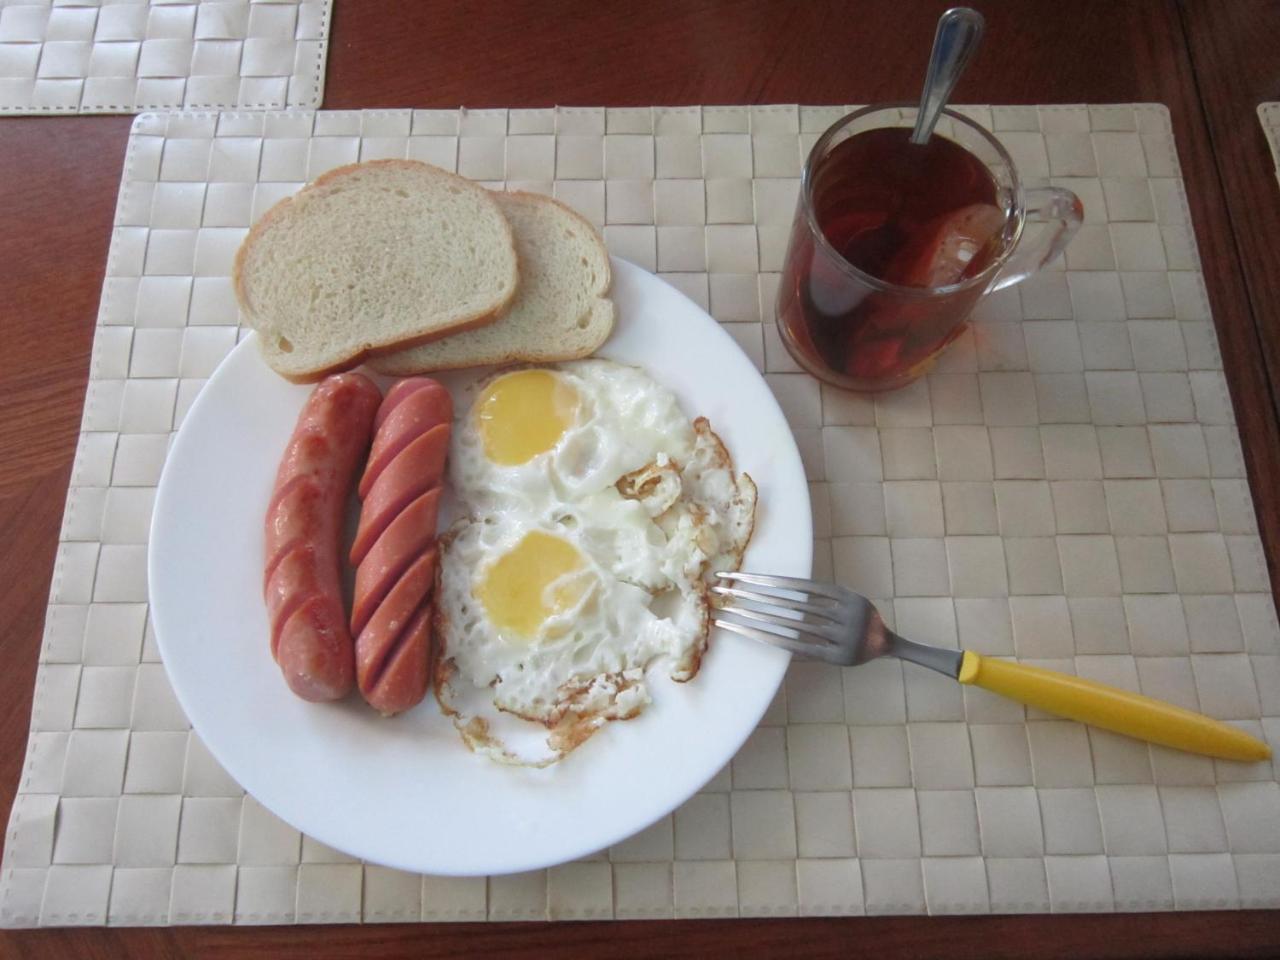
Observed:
{"x":406,"y":792}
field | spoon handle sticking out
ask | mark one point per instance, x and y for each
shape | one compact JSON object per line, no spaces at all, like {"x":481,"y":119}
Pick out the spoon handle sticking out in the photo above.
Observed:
{"x":954,"y":43}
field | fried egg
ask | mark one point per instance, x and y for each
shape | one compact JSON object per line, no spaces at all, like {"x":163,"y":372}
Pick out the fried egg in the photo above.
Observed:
{"x":535,"y":435}
{"x":591,"y":511}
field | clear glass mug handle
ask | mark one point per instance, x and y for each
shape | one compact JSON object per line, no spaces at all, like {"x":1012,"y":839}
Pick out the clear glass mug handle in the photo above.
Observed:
{"x":1061,"y":212}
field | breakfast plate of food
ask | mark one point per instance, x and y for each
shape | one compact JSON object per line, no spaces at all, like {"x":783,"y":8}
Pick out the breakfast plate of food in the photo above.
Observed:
{"x":430,"y":556}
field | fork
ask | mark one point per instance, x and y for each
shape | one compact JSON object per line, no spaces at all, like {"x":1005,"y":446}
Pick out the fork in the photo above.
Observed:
{"x":827,"y":622}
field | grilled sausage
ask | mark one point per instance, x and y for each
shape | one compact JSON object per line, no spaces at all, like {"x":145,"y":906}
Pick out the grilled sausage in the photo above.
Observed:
{"x":394,"y":548}
{"x":302,"y":586}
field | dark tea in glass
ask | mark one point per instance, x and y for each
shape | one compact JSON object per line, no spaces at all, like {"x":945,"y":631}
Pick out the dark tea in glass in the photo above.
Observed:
{"x":894,"y":243}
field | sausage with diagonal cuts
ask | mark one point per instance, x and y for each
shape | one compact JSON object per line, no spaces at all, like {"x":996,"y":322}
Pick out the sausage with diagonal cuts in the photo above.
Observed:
{"x":310,"y":639}
{"x":394,"y":549}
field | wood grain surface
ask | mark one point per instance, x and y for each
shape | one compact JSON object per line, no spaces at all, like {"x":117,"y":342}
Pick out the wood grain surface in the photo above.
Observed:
{"x":1235,"y":51}
{"x":1209,"y":62}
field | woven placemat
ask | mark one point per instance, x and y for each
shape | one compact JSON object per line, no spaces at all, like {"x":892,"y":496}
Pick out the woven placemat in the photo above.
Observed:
{"x":1269,"y":114}
{"x":1067,"y":487}
{"x":126,"y":56}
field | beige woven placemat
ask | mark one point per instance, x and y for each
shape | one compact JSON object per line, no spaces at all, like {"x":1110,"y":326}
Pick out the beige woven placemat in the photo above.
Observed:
{"x":1269,"y":114}
{"x":125,"y":56}
{"x":1066,"y":487}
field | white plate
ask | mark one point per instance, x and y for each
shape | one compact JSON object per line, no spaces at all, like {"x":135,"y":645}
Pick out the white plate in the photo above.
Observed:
{"x":405,"y":792}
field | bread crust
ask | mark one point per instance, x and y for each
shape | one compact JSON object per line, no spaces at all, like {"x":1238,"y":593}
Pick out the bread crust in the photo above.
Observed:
{"x":355,"y":357}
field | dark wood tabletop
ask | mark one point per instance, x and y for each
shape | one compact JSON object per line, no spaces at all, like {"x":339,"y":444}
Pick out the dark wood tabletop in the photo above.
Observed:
{"x":1209,"y":62}
{"x":1234,"y":55}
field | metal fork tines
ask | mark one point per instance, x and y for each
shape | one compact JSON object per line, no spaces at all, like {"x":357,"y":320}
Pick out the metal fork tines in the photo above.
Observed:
{"x":808,"y":618}
{"x":819,"y":620}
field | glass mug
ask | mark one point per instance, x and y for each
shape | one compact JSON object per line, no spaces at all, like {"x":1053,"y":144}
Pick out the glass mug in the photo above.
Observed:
{"x":874,"y":287}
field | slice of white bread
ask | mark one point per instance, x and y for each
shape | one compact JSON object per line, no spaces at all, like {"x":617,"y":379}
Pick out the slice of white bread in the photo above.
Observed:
{"x":560,"y":312}
{"x":370,"y":256}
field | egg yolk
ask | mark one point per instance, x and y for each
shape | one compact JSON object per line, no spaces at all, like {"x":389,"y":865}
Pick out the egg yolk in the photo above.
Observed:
{"x":520,"y":592}
{"x":523,"y":414}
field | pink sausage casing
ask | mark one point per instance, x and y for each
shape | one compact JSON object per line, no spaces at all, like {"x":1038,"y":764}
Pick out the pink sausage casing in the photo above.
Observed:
{"x":395,"y":544}
{"x":310,"y":639}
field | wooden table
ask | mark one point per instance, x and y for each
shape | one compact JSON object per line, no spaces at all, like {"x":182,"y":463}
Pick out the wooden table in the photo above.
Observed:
{"x":1209,"y":62}
{"x":1233,"y":53}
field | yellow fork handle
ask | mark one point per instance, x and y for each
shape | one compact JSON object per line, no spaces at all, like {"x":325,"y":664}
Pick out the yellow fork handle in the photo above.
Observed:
{"x":1111,"y":708}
